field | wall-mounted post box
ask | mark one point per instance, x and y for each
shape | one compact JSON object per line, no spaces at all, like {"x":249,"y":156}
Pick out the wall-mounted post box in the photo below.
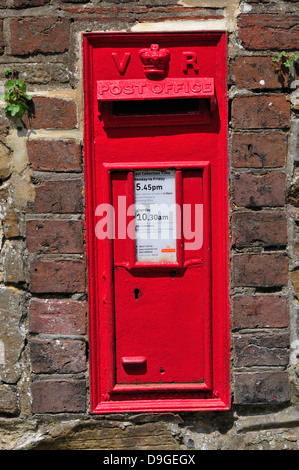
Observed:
{"x":157,"y":228}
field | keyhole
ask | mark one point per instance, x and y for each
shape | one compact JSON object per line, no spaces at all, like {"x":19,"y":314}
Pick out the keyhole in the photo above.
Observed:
{"x":136,"y":292}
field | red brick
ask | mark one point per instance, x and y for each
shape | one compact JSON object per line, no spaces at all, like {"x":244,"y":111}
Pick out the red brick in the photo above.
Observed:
{"x":57,"y":275}
{"x":52,"y":316}
{"x":278,"y":31}
{"x":261,"y":388}
{"x":261,"y":112}
{"x":29,"y":3}
{"x":54,"y":155}
{"x":259,"y":190}
{"x":259,"y":72}
{"x":252,"y":150}
{"x":51,"y":113}
{"x":57,"y":356}
{"x":260,"y":270}
{"x":39,"y":35}
{"x":261,"y":349}
{"x":58,"y":396}
{"x":54,"y":236}
{"x":62,"y":196}
{"x":261,"y":311}
{"x":259,"y":229}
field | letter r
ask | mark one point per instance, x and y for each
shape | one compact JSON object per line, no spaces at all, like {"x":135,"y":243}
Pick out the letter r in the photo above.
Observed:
{"x":189,"y":60}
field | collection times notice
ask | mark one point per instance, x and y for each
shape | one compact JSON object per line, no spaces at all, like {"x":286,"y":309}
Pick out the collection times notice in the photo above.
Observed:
{"x":155,"y":216}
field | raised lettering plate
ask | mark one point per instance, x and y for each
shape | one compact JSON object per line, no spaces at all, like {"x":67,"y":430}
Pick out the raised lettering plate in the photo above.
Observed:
{"x":114,"y":90}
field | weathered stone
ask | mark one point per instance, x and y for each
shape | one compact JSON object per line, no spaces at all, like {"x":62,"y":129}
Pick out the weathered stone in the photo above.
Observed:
{"x":8,"y":215}
{"x":294,"y":275}
{"x":115,"y":436}
{"x":293,"y":194}
{"x":5,"y":162}
{"x":8,"y":400}
{"x":30,"y":3}
{"x":45,"y":73}
{"x":11,"y":224}
{"x":13,"y":261}
{"x":11,"y":335}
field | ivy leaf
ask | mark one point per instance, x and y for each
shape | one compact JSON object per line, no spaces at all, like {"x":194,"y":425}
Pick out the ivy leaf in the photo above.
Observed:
{"x":28,"y":97}
{"x":21,"y":85}
{"x":288,"y":63}
{"x":10,"y":84}
{"x":22,"y":107}
{"x":13,"y":109}
{"x":15,"y":96}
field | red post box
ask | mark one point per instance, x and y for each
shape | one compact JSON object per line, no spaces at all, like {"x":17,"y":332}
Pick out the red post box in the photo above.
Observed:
{"x":157,"y":220}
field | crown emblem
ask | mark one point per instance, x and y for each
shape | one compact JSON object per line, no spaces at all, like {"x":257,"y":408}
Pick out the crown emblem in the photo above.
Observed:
{"x":155,"y":60}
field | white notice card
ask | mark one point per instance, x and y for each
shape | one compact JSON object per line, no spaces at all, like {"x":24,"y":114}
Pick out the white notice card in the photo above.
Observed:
{"x":155,"y":216}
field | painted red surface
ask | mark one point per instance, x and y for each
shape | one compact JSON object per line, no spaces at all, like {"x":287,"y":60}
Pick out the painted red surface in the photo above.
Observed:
{"x":158,"y":330}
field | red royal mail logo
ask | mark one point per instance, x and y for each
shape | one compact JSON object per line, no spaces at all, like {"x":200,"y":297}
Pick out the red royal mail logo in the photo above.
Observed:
{"x":155,"y":60}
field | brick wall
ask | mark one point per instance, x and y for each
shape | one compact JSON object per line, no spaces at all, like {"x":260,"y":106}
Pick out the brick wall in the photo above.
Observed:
{"x":43,"y":291}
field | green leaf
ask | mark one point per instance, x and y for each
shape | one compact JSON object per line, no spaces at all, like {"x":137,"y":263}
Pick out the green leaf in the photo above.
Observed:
{"x":12,"y":96}
{"x":12,"y":109}
{"x":7,"y":71}
{"x":10,"y":83}
{"x":21,"y":85}
{"x":22,"y":107}
{"x":288,"y":63}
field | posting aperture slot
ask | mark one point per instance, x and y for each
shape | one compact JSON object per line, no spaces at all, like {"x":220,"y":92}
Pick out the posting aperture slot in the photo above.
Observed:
{"x":160,"y":107}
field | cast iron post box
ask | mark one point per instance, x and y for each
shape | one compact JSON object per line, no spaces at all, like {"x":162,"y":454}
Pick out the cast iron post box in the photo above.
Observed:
{"x":157,"y":220}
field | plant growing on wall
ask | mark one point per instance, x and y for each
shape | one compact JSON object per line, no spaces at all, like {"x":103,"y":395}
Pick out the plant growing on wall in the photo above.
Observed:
{"x":15,"y":96}
{"x":286,"y":59}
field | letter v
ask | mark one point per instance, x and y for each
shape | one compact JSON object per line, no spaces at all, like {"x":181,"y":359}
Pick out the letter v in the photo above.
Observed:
{"x":122,"y":64}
